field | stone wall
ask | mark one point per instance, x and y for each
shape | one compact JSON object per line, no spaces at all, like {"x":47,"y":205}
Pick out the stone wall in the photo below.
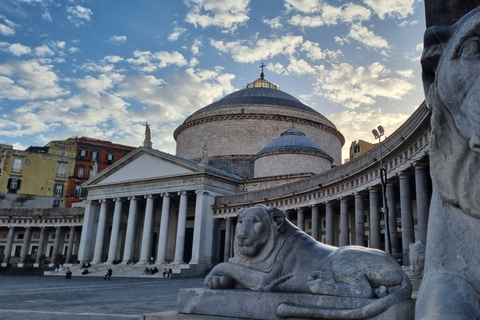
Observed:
{"x":290,"y":163}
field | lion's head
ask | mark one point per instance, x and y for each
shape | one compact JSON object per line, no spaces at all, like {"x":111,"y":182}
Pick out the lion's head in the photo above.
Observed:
{"x":257,"y":229}
{"x":451,"y":77}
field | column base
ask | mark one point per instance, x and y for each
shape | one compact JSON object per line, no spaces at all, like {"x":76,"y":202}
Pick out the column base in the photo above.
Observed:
{"x":36,"y":265}
{"x":196,"y":261}
{"x":178,"y":262}
{"x":5,"y":264}
{"x":20,"y":265}
{"x":96,"y":262}
{"x":160,"y":262}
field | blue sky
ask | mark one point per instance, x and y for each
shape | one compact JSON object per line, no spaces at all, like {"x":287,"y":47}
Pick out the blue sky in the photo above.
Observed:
{"x":101,"y":68}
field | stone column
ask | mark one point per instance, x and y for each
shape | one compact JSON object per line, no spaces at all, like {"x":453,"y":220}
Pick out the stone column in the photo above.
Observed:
{"x":117,"y":215}
{"x":423,"y":200}
{"x":375,"y":234}
{"x":71,"y":242}
{"x":102,"y":221}
{"x":131,"y":228}
{"x":228,"y":239}
{"x":359,"y":221}
{"x":329,"y":222}
{"x":301,"y":219}
{"x":392,"y":217}
{"x":407,"y":215}
{"x":147,"y":231}
{"x":9,"y":246}
{"x":315,"y":223}
{"x":344,"y":232}
{"x":182,"y":221}
{"x":203,"y":228}
{"x":87,"y":230}
{"x":25,"y":246}
{"x":163,"y":234}
{"x":41,"y":246}
{"x":56,"y":245}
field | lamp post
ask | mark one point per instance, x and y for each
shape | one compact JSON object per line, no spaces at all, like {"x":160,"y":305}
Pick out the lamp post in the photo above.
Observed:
{"x":383,"y":178}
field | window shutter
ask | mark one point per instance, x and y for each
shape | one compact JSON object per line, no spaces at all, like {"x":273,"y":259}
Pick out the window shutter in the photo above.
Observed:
{"x":19,"y":182}
{"x":84,"y":192}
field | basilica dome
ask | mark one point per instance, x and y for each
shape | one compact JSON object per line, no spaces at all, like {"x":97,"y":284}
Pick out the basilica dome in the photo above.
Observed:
{"x":239,"y":125}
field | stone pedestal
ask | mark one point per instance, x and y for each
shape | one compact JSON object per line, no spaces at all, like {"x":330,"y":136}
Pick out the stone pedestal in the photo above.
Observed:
{"x":201,"y":303}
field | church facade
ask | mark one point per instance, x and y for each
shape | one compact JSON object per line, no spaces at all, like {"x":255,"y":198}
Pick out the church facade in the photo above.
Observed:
{"x":258,"y":145}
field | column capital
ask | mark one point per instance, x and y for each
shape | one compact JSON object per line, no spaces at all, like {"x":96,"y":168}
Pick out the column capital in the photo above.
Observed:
{"x":132,"y":198}
{"x":201,"y":191}
{"x":373,"y":189}
{"x":404,"y":174}
{"x":330,"y":203}
{"x":118,"y":199}
{"x":182,"y":193}
{"x":102,"y":201}
{"x":88,"y":202}
{"x":166,"y":195}
{"x":357,"y":195}
{"x":344,"y":199}
{"x":419,"y":165}
{"x":150,"y":196}
{"x":299,"y":209}
{"x":314,"y":205}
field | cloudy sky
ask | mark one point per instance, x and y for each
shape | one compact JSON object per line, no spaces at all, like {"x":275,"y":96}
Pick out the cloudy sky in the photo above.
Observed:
{"x":102,"y":68}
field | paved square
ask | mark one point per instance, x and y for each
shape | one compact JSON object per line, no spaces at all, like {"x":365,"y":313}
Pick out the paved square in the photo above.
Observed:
{"x":50,"y":298}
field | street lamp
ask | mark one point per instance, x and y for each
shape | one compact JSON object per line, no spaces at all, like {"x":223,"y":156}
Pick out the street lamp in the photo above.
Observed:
{"x":383,"y":178}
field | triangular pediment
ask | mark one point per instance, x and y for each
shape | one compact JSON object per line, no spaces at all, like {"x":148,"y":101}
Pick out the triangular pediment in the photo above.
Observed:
{"x":143,"y":164}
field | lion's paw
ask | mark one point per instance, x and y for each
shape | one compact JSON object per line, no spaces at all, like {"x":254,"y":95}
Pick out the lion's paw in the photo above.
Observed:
{"x":320,"y":286}
{"x":219,"y":282}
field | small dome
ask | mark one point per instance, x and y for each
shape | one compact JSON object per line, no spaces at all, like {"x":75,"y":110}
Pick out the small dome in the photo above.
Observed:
{"x":293,"y":140}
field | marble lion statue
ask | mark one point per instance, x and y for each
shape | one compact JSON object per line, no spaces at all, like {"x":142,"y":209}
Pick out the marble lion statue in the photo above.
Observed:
{"x":271,"y":254}
{"x":451,"y":75}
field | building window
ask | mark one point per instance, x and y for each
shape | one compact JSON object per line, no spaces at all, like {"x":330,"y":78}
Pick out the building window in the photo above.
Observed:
{"x":62,"y":170}
{"x":17,"y":164}
{"x":77,"y":192}
{"x":80,"y":171}
{"x":94,"y":155}
{"x":56,"y":204}
{"x":356,"y":149}
{"x":13,"y":185}
{"x":58,"y":190}
{"x":63,"y":153}
{"x":83,"y":154}
{"x":110,"y":158}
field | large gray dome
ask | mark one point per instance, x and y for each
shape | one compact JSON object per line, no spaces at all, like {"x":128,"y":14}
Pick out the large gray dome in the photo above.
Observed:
{"x":293,"y":140}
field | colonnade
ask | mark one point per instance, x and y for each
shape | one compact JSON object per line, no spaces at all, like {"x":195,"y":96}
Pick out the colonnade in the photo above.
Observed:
{"x":108,"y":248}
{"x":342,"y":221}
{"x":27,"y":243}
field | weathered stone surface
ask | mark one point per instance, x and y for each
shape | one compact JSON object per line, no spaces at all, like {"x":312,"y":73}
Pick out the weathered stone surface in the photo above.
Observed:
{"x":273,"y":255}
{"x":263,"y":305}
{"x":451,"y":74}
{"x":417,"y":260}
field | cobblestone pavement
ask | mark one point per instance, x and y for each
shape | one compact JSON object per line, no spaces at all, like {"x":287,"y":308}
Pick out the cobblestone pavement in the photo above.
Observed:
{"x":78,"y":298}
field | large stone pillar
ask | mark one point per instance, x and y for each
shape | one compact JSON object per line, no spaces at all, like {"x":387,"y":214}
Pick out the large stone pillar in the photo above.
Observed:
{"x":25,"y":246}
{"x":203,"y":228}
{"x":301,"y":219}
{"x":375,"y":233}
{"x":162,"y":238}
{"x":8,"y":248}
{"x":56,"y":245}
{"x":41,"y":246}
{"x":102,"y":222}
{"x":344,"y":232}
{"x":423,"y":200}
{"x":182,"y":221}
{"x":131,"y":228}
{"x":408,"y":234}
{"x":87,"y":233}
{"x":228,"y":239}
{"x":71,"y":242}
{"x":359,"y":220}
{"x":315,"y":223}
{"x":146,"y":249}
{"x":392,"y":217}
{"x":329,"y":223}
{"x":117,"y":215}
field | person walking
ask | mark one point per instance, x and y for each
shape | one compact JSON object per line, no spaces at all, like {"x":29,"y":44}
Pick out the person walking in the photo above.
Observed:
{"x":110,"y":272}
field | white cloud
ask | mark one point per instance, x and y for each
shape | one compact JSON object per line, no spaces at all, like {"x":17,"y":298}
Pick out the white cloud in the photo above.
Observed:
{"x":330,"y":15}
{"x":149,"y":62}
{"x":43,"y":51}
{"x":405,"y":23}
{"x":391,"y":8}
{"x":28,"y":80}
{"x":100,"y":84}
{"x":227,"y":15}
{"x":177,"y":32}
{"x":6,"y":30}
{"x":367,"y":37}
{"x":273,"y":23}
{"x":261,"y":49}
{"x":113,"y":59}
{"x":358,"y":125}
{"x":118,"y":39}
{"x":19,"y":49}
{"x":354,"y":87}
{"x":307,"y":6}
{"x":313,"y":50}
{"x":78,"y":15}
{"x":196,"y":46}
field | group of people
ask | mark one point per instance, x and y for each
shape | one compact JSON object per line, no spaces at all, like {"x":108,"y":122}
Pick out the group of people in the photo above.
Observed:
{"x":150,"y":270}
{"x":108,"y":274}
{"x":167,"y":273}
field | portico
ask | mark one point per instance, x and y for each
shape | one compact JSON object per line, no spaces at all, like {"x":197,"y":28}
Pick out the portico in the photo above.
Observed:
{"x":152,"y":204}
